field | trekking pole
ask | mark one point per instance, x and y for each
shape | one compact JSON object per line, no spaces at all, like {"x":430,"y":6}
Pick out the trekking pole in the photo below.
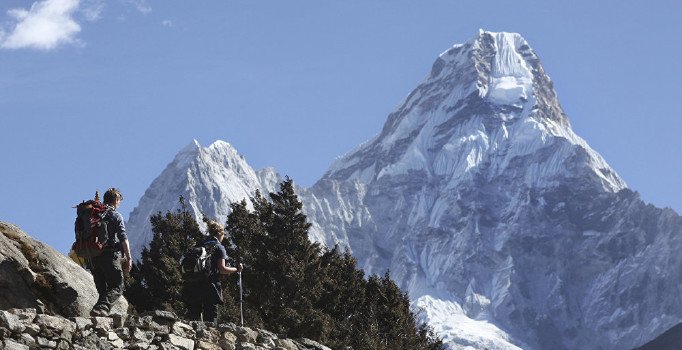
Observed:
{"x":241,"y":308}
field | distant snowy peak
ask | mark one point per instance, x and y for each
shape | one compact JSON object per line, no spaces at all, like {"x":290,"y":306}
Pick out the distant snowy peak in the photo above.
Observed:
{"x":484,"y":103}
{"x":209,"y":178}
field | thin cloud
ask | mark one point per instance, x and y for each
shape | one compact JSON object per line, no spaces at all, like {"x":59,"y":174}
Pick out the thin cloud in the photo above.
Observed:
{"x":167,"y":23}
{"x":92,"y":10}
{"x":46,"y":25}
{"x":141,"y":5}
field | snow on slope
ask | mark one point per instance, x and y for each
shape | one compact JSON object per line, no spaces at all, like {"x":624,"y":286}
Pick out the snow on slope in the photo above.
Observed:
{"x":209,"y":179}
{"x":504,"y":226}
{"x":476,"y":194}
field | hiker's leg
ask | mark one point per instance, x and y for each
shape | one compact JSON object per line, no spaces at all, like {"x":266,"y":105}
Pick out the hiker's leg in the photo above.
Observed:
{"x":194,"y":312}
{"x":211,"y":313}
{"x":192,"y":301}
{"x":114,"y":279}
{"x":100,"y":281}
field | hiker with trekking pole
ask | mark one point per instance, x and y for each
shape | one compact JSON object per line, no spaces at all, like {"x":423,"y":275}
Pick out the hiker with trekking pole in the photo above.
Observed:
{"x":201,"y":267}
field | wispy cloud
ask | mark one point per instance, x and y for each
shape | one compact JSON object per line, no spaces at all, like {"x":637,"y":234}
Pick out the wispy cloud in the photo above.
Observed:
{"x":92,"y":9}
{"x":167,"y":23}
{"x":46,"y":25}
{"x":141,"y":5}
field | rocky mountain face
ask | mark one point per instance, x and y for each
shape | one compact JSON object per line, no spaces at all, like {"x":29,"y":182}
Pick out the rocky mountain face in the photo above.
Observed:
{"x":494,"y":215}
{"x":33,"y":275}
{"x":504,"y":226}
{"x":27,"y":329}
{"x":209,"y":179}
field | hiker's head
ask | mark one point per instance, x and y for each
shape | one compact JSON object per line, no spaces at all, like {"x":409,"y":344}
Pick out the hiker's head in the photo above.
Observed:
{"x":215,"y":229}
{"x":113,"y":196}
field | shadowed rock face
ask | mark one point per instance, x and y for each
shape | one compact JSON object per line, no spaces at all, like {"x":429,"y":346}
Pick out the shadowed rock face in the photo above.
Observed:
{"x":483,"y":203}
{"x":34,"y":275}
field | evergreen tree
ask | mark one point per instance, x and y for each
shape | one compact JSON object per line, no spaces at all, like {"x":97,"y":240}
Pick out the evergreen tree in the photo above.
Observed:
{"x":293,"y":287}
{"x":156,"y":281}
{"x":342,"y":298}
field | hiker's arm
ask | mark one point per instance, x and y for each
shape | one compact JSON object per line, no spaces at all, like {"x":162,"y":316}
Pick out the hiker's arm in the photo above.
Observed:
{"x":125,"y":246}
{"x":226,"y":270}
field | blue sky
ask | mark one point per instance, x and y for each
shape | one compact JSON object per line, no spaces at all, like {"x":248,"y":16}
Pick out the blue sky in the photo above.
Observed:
{"x":98,"y":93}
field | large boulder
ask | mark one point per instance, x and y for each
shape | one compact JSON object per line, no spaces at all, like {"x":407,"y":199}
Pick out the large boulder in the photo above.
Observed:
{"x":34,"y":275}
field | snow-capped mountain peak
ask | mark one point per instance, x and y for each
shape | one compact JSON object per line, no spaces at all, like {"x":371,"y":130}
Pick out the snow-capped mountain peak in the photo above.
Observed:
{"x":483,"y":104}
{"x":501,"y":223}
{"x":209,"y":178}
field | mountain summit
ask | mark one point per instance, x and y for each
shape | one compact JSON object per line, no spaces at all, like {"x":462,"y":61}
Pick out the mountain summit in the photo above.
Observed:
{"x":503,"y":225}
{"x":209,"y":179}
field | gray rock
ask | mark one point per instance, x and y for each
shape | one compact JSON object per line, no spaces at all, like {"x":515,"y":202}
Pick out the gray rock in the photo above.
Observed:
{"x":12,"y":345}
{"x":123,"y":333}
{"x":32,"y":329}
{"x":246,"y":346}
{"x":148,"y":323}
{"x":11,"y":322}
{"x":144,"y":336}
{"x":229,"y":337}
{"x":136,"y":321}
{"x":210,"y":335}
{"x":36,"y":276}
{"x":25,"y":315}
{"x":82,"y":323}
{"x":115,"y":340}
{"x":245,"y":334}
{"x":168,"y":346}
{"x":286,"y":344}
{"x":266,"y":339}
{"x":102,"y":324}
{"x":183,"y":330}
{"x":181,"y":342}
{"x":227,"y":327}
{"x":27,"y":339}
{"x":54,"y":322}
{"x":227,"y":344}
{"x":203,"y":345}
{"x":46,"y":343}
{"x":311,"y":344}
{"x":56,"y":327}
{"x":63,"y":345}
{"x":164,"y":317}
{"x":139,"y":345}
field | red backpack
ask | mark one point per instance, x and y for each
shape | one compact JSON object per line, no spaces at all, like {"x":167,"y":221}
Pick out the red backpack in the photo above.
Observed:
{"x":91,"y":228}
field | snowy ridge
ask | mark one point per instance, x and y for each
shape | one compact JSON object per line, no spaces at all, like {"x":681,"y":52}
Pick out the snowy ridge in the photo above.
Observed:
{"x":507,"y":230}
{"x":209,"y":179}
{"x":478,"y":162}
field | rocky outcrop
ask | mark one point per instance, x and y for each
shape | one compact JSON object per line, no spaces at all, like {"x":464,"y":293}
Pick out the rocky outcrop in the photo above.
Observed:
{"x":36,"y":276}
{"x":27,"y":329}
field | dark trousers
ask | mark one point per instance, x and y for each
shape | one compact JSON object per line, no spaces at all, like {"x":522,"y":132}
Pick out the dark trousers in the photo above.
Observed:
{"x":203,"y":298}
{"x":108,"y":275}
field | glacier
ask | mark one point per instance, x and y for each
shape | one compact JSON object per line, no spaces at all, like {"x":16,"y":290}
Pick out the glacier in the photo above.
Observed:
{"x":507,"y":230}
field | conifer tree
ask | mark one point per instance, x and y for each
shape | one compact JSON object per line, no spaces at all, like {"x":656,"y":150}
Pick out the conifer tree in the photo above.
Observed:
{"x":156,"y":280}
{"x":293,"y":287}
{"x":342,"y":298}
